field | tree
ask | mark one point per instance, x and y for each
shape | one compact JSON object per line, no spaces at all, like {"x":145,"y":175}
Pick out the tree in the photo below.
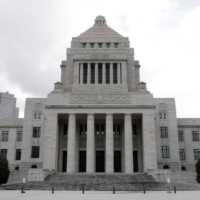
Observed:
{"x":4,"y":170}
{"x":198,"y":171}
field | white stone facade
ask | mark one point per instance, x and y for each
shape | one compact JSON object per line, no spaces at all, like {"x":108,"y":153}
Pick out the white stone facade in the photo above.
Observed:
{"x":100,"y":117}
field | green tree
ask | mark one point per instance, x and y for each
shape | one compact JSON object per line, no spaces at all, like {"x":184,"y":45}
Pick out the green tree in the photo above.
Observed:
{"x":198,"y":171}
{"x":4,"y":170}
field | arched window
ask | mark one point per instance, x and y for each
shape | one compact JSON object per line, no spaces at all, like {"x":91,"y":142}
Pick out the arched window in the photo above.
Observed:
{"x":17,"y":168}
{"x":34,"y":167}
{"x":183,"y":168}
{"x":166,"y":167}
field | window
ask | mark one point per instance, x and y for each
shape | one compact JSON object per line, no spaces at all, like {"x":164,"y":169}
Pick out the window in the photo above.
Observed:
{"x":163,"y":132}
{"x":116,"y":129}
{"x":35,"y":115}
{"x":65,"y":130}
{"x":83,"y":129}
{"x":182,"y":154}
{"x":34,"y":167}
{"x":84,"y":73}
{"x":84,"y":45}
{"x":92,"y":73}
{"x":115,"y":73}
{"x":183,"y":168}
{"x":180,"y":136}
{"x":4,"y":135}
{"x":195,"y":135}
{"x":36,"y":132}
{"x":4,"y":153}
{"x":107,"y":73}
{"x":97,"y":129}
{"x":108,"y":45}
{"x":18,"y":154}
{"x":39,"y":115}
{"x":100,"y":73}
{"x":100,"y":129}
{"x":19,"y":135}
{"x":100,"y":45}
{"x":166,"y":167}
{"x":160,"y":115}
{"x":196,"y":154}
{"x":164,"y":115}
{"x":92,"y":45}
{"x":165,"y":151}
{"x":116,"y":45}
{"x":134,"y":129}
{"x":17,"y":168}
{"x":35,"y":152}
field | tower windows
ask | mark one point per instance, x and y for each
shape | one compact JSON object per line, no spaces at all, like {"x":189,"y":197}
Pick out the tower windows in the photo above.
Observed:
{"x":163,"y":132}
{"x":116,"y":45}
{"x":100,"y":45}
{"x":85,"y":68}
{"x":100,"y":73}
{"x":108,"y":45}
{"x":92,"y":45}
{"x":107,"y":73}
{"x":84,"y":45}
{"x":115,"y":73}
{"x":92,"y":71}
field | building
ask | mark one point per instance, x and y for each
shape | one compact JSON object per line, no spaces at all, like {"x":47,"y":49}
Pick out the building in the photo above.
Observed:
{"x":8,"y":107}
{"x":100,"y":118}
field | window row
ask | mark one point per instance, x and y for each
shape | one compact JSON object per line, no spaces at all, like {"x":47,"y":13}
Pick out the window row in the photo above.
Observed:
{"x":37,"y":115}
{"x":195,"y":136}
{"x":5,"y":135}
{"x":100,"y":45}
{"x":100,"y":74}
{"x":35,"y":152}
{"x":100,"y":129}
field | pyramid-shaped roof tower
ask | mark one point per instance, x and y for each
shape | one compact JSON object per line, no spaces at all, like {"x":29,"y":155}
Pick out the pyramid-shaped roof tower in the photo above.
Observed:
{"x":100,"y":29}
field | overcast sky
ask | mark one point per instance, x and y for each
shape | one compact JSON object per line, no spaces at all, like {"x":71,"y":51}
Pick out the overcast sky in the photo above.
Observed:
{"x":165,"y":35}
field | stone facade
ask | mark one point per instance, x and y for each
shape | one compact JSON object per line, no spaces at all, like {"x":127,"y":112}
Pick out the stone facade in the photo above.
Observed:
{"x":100,"y":117}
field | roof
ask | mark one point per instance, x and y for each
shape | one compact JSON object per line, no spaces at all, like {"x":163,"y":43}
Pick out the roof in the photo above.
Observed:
{"x":100,"y":29}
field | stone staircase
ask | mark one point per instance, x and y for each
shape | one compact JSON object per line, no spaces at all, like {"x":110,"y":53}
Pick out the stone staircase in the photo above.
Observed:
{"x":101,"y":182}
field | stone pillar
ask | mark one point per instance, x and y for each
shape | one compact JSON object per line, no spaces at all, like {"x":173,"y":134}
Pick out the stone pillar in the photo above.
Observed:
{"x":81,"y":73}
{"x":104,"y":73}
{"x":128,"y":143}
{"x":111,"y":73}
{"x":89,"y":74}
{"x":71,"y":147}
{"x":109,"y":144}
{"x":149,"y":142}
{"x":90,"y":162}
{"x":96,"y":73}
{"x":118,"y":74}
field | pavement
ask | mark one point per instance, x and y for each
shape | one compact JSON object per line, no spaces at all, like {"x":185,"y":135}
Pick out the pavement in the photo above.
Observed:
{"x":97,"y":195}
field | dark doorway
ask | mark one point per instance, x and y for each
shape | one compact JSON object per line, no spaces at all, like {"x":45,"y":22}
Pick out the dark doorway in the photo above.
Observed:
{"x":100,"y":163}
{"x":82,"y":161}
{"x":135,"y":161}
{"x":117,"y":161}
{"x":64,"y":163}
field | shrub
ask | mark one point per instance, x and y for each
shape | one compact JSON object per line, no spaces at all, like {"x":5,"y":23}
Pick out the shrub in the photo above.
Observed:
{"x":198,"y":171}
{"x":4,"y":170}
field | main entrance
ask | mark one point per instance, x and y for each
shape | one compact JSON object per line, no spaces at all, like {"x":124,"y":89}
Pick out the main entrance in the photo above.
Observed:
{"x":117,"y":161}
{"x":82,"y":161}
{"x":100,"y":161}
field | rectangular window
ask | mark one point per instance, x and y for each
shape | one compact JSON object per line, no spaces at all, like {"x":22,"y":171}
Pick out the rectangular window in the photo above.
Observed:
{"x":180,"y":136}
{"x":19,"y":135}
{"x":182,"y":154}
{"x":92,"y":71}
{"x":116,"y":45}
{"x":36,"y":132}
{"x":160,"y":115}
{"x":39,"y":115}
{"x":85,"y":73}
{"x":35,"y":115}
{"x":196,"y":154}
{"x":81,"y":130}
{"x":100,"y":73}
{"x":97,"y":129}
{"x":164,"y":115}
{"x":107,"y":73}
{"x":102,"y":129}
{"x":18,"y":154}
{"x":4,"y":136}
{"x":92,"y":45}
{"x":108,"y":45}
{"x":165,"y":151}
{"x":114,"y":130}
{"x":115,"y":73}
{"x":4,"y":153}
{"x":35,"y":152}
{"x":100,"y":45}
{"x":118,"y":130}
{"x":84,"y":45}
{"x":163,"y":132}
{"x":195,"y":135}
{"x":65,"y":130}
{"x":134,"y":129}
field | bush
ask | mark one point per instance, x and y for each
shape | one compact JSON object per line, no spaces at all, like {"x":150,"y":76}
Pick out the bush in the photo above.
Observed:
{"x":4,"y":170}
{"x":198,"y":171}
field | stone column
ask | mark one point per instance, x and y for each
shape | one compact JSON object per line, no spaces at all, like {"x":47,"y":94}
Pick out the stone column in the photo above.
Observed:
{"x":71,"y":147}
{"x":104,"y":73}
{"x":90,"y":162}
{"x":96,"y":73}
{"x":89,"y":74}
{"x":149,"y":142}
{"x":111,"y":73}
{"x":109,"y":144}
{"x":81,"y":73}
{"x":118,"y":74}
{"x":128,"y":143}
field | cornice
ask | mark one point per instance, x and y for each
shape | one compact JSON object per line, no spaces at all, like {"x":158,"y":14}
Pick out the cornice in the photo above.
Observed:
{"x":188,"y":126}
{"x":11,"y":126}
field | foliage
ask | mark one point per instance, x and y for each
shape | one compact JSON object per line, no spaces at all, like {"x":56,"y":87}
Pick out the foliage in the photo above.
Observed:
{"x":4,"y":170}
{"x":198,"y":171}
